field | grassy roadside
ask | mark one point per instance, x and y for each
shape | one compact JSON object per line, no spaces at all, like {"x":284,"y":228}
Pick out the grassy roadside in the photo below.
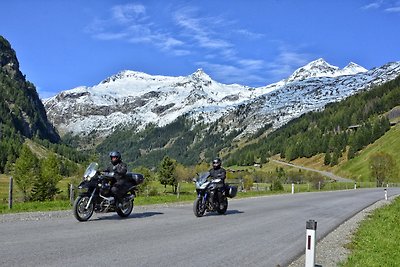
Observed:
{"x":376,"y":241}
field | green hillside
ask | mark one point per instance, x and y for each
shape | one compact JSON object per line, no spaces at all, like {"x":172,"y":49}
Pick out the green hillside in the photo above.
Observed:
{"x":358,"y":167}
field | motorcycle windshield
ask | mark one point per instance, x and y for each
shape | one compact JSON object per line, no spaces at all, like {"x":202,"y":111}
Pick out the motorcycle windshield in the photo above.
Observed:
{"x":202,"y":178}
{"x":91,"y":170}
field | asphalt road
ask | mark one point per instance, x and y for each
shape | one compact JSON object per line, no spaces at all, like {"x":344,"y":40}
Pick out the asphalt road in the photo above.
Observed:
{"x":262,"y":231}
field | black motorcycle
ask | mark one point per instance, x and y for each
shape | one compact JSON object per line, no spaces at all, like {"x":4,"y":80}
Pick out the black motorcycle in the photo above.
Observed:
{"x":96,"y":196}
{"x":207,"y":195}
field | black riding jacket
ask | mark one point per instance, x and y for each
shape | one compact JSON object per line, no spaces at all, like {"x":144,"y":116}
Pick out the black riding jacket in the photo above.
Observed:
{"x":119,"y":170}
{"x":218,"y":173}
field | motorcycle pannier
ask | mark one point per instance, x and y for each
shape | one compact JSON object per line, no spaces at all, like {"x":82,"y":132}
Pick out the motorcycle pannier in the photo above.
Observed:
{"x":231,"y":191}
{"x":136,"y":177}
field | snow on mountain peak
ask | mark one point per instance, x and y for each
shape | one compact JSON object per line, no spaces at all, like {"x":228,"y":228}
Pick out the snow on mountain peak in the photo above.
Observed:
{"x":199,"y":74}
{"x":321,"y":68}
{"x":354,"y":68}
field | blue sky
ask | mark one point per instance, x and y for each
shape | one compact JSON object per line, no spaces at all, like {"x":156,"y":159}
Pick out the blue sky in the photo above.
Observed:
{"x":64,"y":44}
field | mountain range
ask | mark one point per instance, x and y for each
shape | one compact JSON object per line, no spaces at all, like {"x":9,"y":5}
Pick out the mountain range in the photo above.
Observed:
{"x":133,"y":100}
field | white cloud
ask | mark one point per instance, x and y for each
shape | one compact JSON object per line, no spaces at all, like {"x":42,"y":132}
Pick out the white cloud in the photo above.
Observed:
{"x":110,"y":36}
{"x":202,"y":30}
{"x":249,"y":34}
{"x":372,"y":6}
{"x":286,"y":62}
{"x":393,"y":9}
{"x":226,"y":73}
{"x":131,"y":23}
{"x":386,"y":6}
{"x":252,"y":64}
{"x":128,"y":13}
{"x":212,"y":39}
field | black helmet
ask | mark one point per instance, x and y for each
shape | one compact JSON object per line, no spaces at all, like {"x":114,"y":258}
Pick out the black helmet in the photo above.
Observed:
{"x":217,"y":163}
{"x":115,"y":157}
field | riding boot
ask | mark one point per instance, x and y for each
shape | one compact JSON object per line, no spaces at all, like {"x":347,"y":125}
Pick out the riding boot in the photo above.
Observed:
{"x":220,"y":200}
{"x":211,"y":199}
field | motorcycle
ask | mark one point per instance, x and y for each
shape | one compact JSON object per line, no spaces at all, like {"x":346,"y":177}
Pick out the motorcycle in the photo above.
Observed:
{"x":207,"y":195}
{"x":96,"y":196}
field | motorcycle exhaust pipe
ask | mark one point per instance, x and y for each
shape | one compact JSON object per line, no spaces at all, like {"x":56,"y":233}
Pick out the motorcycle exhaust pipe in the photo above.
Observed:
{"x":109,"y":199}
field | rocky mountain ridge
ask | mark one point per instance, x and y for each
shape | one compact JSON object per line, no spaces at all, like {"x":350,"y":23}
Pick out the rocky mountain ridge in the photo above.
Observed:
{"x":132,"y":98}
{"x":20,"y":106}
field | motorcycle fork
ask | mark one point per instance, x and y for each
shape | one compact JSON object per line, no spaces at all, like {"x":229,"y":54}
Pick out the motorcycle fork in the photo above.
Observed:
{"x":90,"y":199}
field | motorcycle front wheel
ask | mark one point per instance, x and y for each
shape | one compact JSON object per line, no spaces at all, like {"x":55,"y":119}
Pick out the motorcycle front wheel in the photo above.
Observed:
{"x":126,"y":209}
{"x":82,"y":213}
{"x":199,"y":207}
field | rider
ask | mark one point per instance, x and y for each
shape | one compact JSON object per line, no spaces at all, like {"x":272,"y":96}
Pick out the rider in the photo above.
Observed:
{"x":117,"y":170}
{"x":218,"y":172}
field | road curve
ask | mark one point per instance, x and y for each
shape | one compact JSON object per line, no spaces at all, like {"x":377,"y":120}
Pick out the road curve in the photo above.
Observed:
{"x":324,"y":173}
{"x":261,"y":231}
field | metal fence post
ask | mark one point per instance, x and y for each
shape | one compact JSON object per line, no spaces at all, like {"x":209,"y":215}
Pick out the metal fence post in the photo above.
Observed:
{"x":311,"y":227}
{"x":10,"y":194}
{"x":71,"y":193}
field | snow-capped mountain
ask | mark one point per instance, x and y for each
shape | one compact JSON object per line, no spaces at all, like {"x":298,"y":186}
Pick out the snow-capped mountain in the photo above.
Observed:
{"x":134,"y":98}
{"x":310,"y":94}
{"x":131,"y":97}
{"x":320,"y":68}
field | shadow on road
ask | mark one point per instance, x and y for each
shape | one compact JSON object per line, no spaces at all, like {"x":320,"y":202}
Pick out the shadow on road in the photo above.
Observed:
{"x":228,"y":212}
{"x":132,"y":216}
{"x":145,"y":214}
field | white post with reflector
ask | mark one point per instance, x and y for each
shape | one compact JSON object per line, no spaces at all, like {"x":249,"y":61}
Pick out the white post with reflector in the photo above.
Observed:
{"x":292,"y":188}
{"x":386,"y":197}
{"x":311,"y":227}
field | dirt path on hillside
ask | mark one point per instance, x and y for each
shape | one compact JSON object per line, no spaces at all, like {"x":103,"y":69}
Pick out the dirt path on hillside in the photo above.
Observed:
{"x":325,"y":173}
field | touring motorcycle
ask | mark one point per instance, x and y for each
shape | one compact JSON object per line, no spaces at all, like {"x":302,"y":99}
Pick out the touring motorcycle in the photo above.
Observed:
{"x":207,"y":195}
{"x":96,"y":196}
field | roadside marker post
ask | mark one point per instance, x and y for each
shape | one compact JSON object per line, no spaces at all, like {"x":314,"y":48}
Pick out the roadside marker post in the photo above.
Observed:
{"x":355,"y":185}
{"x":311,"y":227}
{"x":386,"y":197}
{"x":292,"y":188}
{"x":10,"y":194}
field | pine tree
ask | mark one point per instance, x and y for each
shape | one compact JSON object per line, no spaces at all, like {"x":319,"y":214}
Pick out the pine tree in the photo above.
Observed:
{"x":327,"y":158}
{"x":166,"y":172}
{"x":26,"y":171}
{"x":45,"y":186}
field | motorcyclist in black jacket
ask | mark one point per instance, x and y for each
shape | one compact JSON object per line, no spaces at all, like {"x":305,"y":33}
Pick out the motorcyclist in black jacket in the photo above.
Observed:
{"x":117,"y":172}
{"x":218,"y":172}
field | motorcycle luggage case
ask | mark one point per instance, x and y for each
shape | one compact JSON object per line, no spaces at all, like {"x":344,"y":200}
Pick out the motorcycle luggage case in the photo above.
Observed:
{"x":137,"y":178}
{"x":231,"y":191}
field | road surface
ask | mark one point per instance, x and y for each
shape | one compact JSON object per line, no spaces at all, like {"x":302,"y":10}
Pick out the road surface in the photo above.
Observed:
{"x":261,"y":231}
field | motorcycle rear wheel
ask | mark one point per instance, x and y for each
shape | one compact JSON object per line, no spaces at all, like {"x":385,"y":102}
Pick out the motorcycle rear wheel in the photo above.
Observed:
{"x":199,"y":208}
{"x":82,"y":213}
{"x":221,"y":209}
{"x":126,"y":210}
